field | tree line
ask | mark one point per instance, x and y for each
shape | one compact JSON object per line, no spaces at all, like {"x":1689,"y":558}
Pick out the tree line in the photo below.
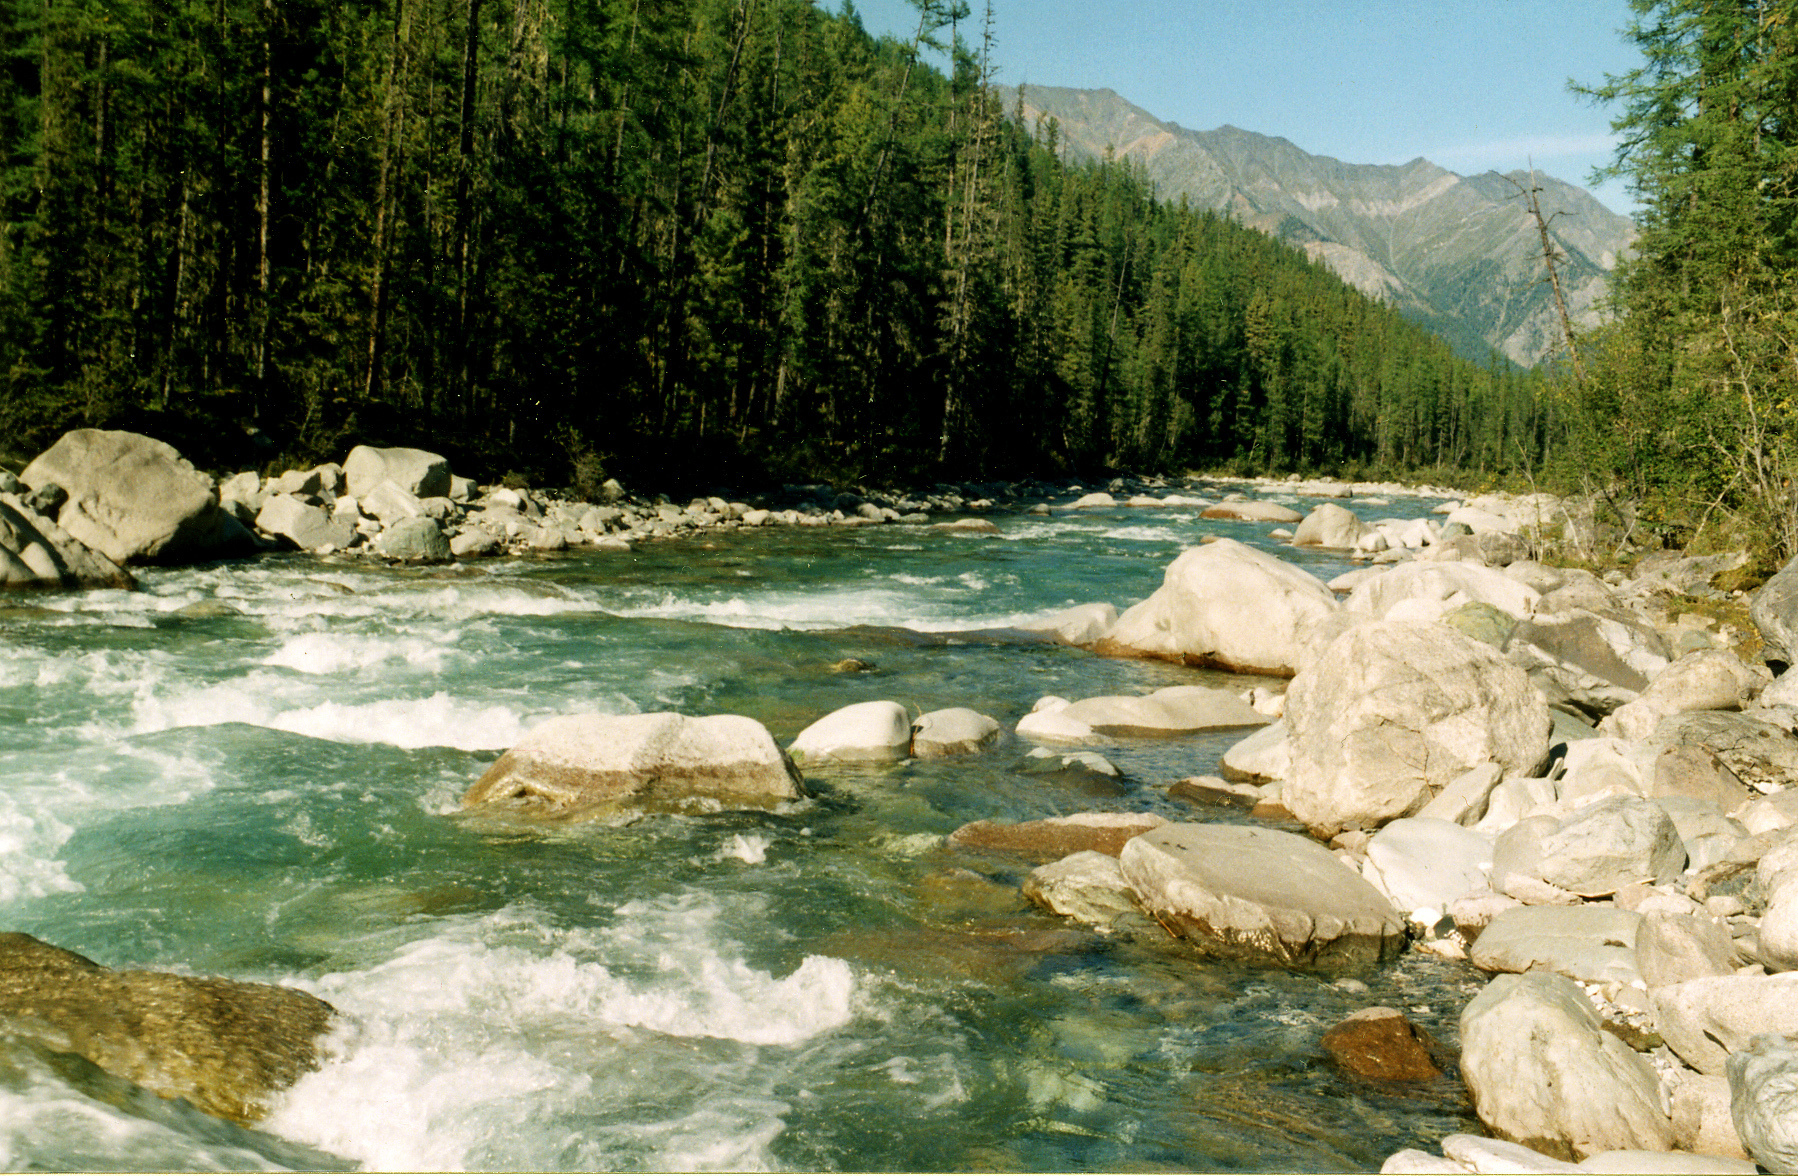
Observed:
{"x":715,"y":239}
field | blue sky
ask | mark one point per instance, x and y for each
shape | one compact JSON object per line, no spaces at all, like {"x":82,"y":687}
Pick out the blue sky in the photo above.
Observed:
{"x":1468,"y":85}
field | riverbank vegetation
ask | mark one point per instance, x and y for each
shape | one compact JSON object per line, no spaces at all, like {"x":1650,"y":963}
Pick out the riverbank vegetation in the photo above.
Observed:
{"x":740,"y":238}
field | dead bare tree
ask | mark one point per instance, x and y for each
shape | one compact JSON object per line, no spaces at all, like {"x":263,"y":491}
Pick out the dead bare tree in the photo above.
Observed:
{"x":1551,"y":257}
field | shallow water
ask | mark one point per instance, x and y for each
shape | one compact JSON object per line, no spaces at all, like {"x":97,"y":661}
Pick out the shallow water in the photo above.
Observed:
{"x":253,"y":770}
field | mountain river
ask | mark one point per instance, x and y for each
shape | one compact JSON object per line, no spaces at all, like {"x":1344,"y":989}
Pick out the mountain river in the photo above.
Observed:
{"x":253,"y":770}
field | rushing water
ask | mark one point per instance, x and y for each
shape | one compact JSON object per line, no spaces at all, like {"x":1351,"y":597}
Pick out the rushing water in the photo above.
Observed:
{"x":253,"y":770}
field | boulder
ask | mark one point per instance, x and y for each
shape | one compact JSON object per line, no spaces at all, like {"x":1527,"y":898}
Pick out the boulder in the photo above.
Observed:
{"x":1083,"y":624}
{"x":1172,"y":710}
{"x":1762,"y":755}
{"x":1609,"y":844}
{"x":1382,"y":1044}
{"x":1464,"y":799}
{"x":134,"y":499}
{"x":417,"y":540}
{"x":1097,"y":498}
{"x":955,"y":731}
{"x":420,"y":474}
{"x":1262,"y":758}
{"x":1260,"y":894}
{"x":1087,"y":886}
{"x":1705,"y":680}
{"x":586,"y":766}
{"x":1393,"y":712}
{"x":1702,"y":1121}
{"x":1705,"y":1020}
{"x":1775,"y":616}
{"x":226,"y":1046}
{"x":1329,"y":525}
{"x":36,"y":553}
{"x":1482,"y":622}
{"x":1708,"y":835}
{"x":1424,"y":864}
{"x":1425,"y":591}
{"x":1652,"y":1163}
{"x":1673,"y":948}
{"x":1077,"y":766}
{"x":1596,"y":944}
{"x":304,"y":525}
{"x":1763,"y":1096}
{"x":1054,"y":838}
{"x":1543,"y":1073}
{"x":1587,"y":660}
{"x":1227,"y":606}
{"x":390,"y":502}
{"x":863,"y":731}
{"x":1695,"y":773}
{"x":1046,"y":722}
{"x":1252,"y":512}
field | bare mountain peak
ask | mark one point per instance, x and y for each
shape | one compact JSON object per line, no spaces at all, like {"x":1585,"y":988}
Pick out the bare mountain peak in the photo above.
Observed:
{"x":1457,"y":253}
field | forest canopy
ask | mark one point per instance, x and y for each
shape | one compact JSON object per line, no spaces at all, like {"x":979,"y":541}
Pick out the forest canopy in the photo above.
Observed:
{"x":653,"y":237}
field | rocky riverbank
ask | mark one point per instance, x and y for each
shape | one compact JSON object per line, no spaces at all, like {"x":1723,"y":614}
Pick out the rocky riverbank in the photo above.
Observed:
{"x":1583,"y":786}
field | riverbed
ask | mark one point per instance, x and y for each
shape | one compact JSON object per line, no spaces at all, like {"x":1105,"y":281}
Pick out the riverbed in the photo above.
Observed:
{"x":254,"y":770}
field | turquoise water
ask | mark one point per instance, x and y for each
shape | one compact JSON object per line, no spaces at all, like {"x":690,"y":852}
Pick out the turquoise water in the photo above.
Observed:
{"x":253,"y":770}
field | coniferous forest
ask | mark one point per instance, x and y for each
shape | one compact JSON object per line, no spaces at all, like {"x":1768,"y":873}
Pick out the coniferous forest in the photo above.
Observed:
{"x":730,"y":238}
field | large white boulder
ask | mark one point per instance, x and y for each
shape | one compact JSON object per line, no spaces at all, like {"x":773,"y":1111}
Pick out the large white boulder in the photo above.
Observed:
{"x":36,"y":553}
{"x":1425,"y":864}
{"x":1609,"y":844}
{"x":1083,"y":624}
{"x":1705,"y":1020}
{"x":1225,"y":605}
{"x":418,"y":473}
{"x":1763,"y":1090}
{"x":863,"y":731}
{"x":134,"y":499}
{"x":1424,"y":591}
{"x":1704,"y":680}
{"x":1250,"y":892}
{"x":304,"y":525}
{"x":1329,"y":525}
{"x":595,"y":766}
{"x":1394,"y":711}
{"x":1543,"y":1073}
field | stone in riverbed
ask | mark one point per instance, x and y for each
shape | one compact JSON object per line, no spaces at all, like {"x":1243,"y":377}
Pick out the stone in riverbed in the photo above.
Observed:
{"x":304,"y":525}
{"x":226,"y":1046}
{"x":1396,"y":710}
{"x":1420,"y":863}
{"x":1054,"y":838}
{"x":955,"y":731}
{"x":594,"y":766}
{"x":1704,"y":1020}
{"x":1083,"y":624}
{"x":1543,"y":1073}
{"x":135,"y":500}
{"x":1262,"y":758}
{"x":1383,"y":1044}
{"x":36,"y":553}
{"x":418,"y":540}
{"x":1329,"y":525}
{"x":861,"y":732}
{"x":1252,"y":512}
{"x":1228,"y":606}
{"x":418,"y":473}
{"x":1260,"y":894}
{"x":1086,"y":886}
{"x":1763,"y":1088}
{"x":1595,"y":944}
{"x":1172,"y":710}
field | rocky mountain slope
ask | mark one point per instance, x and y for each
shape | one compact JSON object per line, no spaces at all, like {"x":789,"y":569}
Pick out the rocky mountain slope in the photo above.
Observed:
{"x":1459,"y":254}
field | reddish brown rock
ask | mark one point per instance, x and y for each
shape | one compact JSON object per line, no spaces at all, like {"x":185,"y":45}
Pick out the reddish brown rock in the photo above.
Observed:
{"x":1383,"y":1044}
{"x":1054,"y":838}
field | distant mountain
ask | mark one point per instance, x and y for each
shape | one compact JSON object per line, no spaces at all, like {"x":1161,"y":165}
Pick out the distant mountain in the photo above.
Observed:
{"x":1459,"y":254}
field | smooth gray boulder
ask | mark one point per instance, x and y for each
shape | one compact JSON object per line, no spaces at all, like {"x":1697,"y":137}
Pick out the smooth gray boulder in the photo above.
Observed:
{"x":1425,"y":591}
{"x":1763,"y":1100}
{"x":1329,"y":525}
{"x":1228,"y":606}
{"x":1762,"y":755}
{"x":1775,"y":615}
{"x":1673,"y":948}
{"x":306,"y":526}
{"x":134,"y":499}
{"x":1704,"y":680}
{"x":226,"y":1046}
{"x":418,"y":473}
{"x":1252,"y":512}
{"x":1595,"y":662}
{"x":1608,"y":844}
{"x":418,"y":540}
{"x":954,"y":731}
{"x":1260,"y":894}
{"x":593,"y":766}
{"x":36,"y":553}
{"x":1543,"y":1073}
{"x":1422,"y":863}
{"x":1172,"y":710}
{"x":1705,"y":1020}
{"x":1396,"y":710}
{"x":1589,"y":943}
{"x":863,"y":732}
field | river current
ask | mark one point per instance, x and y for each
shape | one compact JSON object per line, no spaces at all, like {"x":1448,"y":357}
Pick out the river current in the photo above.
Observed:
{"x":253,"y":770}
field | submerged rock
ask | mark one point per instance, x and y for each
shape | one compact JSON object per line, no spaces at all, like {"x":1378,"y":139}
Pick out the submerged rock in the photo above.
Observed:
{"x":1264,"y":895}
{"x":591,"y":765}
{"x":954,"y":731}
{"x":1054,"y":838}
{"x":225,"y":1046}
{"x":1383,"y":1044}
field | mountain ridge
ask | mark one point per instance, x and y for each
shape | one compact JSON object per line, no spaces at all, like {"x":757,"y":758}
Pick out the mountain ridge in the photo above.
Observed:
{"x":1458,"y":254}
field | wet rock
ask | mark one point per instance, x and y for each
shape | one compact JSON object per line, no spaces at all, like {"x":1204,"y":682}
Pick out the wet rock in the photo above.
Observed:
{"x":1087,"y":886}
{"x":1396,"y":710}
{"x":1763,"y":1089}
{"x":226,"y":1046}
{"x":1383,"y":1044}
{"x":862,"y":732}
{"x":36,"y":553}
{"x":418,"y":473}
{"x":135,"y":500}
{"x":1328,"y":525}
{"x":1228,"y":606}
{"x":955,"y":731}
{"x":1544,"y":1073}
{"x":1263,"y":895}
{"x":1083,"y":624}
{"x":1054,"y":838}
{"x":1073,"y":766}
{"x":1252,"y":512}
{"x":1587,"y":943}
{"x":592,"y":766}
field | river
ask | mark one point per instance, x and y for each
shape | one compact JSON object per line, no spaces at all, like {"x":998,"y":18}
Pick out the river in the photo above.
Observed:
{"x":253,"y":770}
